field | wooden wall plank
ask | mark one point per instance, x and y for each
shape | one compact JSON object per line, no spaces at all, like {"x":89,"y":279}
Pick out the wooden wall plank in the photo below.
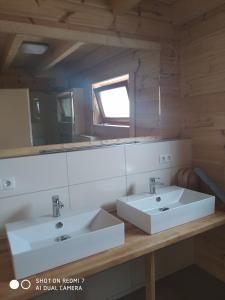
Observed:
{"x":203,"y":102}
{"x":187,"y":10}
{"x":72,"y":34}
{"x":120,"y":7}
{"x":85,"y":16}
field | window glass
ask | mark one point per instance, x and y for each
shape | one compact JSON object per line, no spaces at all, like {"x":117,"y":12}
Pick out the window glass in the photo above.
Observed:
{"x":115,"y":102}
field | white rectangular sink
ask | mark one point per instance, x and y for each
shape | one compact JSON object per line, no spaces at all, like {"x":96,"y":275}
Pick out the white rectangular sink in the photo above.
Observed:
{"x":41,"y":244}
{"x":171,"y":206}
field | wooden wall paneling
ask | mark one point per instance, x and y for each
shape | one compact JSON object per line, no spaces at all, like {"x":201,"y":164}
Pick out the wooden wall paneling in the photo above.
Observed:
{"x":145,"y":69}
{"x":120,"y":7}
{"x":145,"y":72}
{"x":187,"y":10}
{"x":118,"y":65}
{"x":202,"y":88}
{"x":170,"y":101}
{"x":89,"y":15}
{"x":211,"y":22}
{"x":202,"y":70}
{"x":158,"y":10}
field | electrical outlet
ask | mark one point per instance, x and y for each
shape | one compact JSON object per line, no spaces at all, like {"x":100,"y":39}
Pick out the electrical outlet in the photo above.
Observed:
{"x":169,"y":157}
{"x":162,"y":159}
{"x":8,"y":183}
{"x":0,"y":185}
{"x":165,"y":158}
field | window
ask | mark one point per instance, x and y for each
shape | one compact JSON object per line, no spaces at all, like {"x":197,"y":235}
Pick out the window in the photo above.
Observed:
{"x":113,"y":101}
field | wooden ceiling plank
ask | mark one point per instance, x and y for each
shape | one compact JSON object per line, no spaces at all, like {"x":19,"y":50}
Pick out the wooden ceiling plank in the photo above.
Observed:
{"x":120,"y":7}
{"x":185,"y":11}
{"x":53,"y":30}
{"x":98,"y":56}
{"x":11,"y":50}
{"x":60,"y":54}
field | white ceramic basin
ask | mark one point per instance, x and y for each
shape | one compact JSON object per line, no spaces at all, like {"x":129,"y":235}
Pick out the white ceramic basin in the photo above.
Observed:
{"x":171,"y":206}
{"x":46,"y":242}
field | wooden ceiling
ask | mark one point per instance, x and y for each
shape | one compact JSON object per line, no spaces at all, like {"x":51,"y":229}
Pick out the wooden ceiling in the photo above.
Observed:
{"x":82,"y":32}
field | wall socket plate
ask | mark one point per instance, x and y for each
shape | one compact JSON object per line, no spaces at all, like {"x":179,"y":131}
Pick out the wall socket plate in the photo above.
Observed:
{"x":165,"y":158}
{"x":8,"y":183}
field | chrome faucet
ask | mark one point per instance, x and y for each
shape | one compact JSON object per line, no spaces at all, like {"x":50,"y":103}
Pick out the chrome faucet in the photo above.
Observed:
{"x":153,"y":182}
{"x":56,"y":206}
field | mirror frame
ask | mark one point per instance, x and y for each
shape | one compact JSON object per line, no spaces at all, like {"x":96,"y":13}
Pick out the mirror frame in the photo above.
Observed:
{"x":57,"y":148}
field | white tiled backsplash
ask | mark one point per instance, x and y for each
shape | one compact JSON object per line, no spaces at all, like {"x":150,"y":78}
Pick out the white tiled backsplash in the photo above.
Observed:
{"x":96,"y":164}
{"x":85,"y":179}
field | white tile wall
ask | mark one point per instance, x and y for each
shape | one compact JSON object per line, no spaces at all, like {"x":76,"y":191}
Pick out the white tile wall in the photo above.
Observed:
{"x":145,"y":157}
{"x":142,"y":157}
{"x":30,"y":205}
{"x":34,"y":173}
{"x":96,"y":194}
{"x":101,"y":164}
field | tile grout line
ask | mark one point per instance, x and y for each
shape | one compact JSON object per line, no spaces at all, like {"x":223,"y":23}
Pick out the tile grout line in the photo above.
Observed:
{"x":125,"y":162}
{"x":68,"y":186}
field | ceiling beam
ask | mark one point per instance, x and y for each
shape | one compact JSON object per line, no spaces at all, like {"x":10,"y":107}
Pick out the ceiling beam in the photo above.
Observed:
{"x":184,"y":11}
{"x":11,"y":50}
{"x":54,"y":30}
{"x":59,"y":55}
{"x":120,"y":7}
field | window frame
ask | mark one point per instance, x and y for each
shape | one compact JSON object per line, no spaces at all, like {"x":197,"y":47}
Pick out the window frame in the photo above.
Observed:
{"x":63,"y":117}
{"x":114,"y":120}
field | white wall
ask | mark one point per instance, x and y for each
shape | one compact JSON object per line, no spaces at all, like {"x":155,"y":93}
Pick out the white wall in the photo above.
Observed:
{"x":86,"y":180}
{"x":15,"y":123}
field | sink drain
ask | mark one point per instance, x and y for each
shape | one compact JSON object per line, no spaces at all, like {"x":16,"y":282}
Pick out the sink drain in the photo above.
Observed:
{"x":163,"y":208}
{"x":62,"y":238}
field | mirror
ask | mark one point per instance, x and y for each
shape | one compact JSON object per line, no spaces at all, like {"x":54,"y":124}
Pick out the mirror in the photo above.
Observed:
{"x":93,"y":93}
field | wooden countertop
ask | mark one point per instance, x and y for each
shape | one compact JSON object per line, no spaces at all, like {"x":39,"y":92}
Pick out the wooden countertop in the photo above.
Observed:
{"x":137,"y":244}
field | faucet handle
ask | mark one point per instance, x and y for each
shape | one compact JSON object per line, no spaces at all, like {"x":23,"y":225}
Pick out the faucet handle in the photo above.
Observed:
{"x":61,"y":205}
{"x":55,"y":199}
{"x":153,"y":179}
